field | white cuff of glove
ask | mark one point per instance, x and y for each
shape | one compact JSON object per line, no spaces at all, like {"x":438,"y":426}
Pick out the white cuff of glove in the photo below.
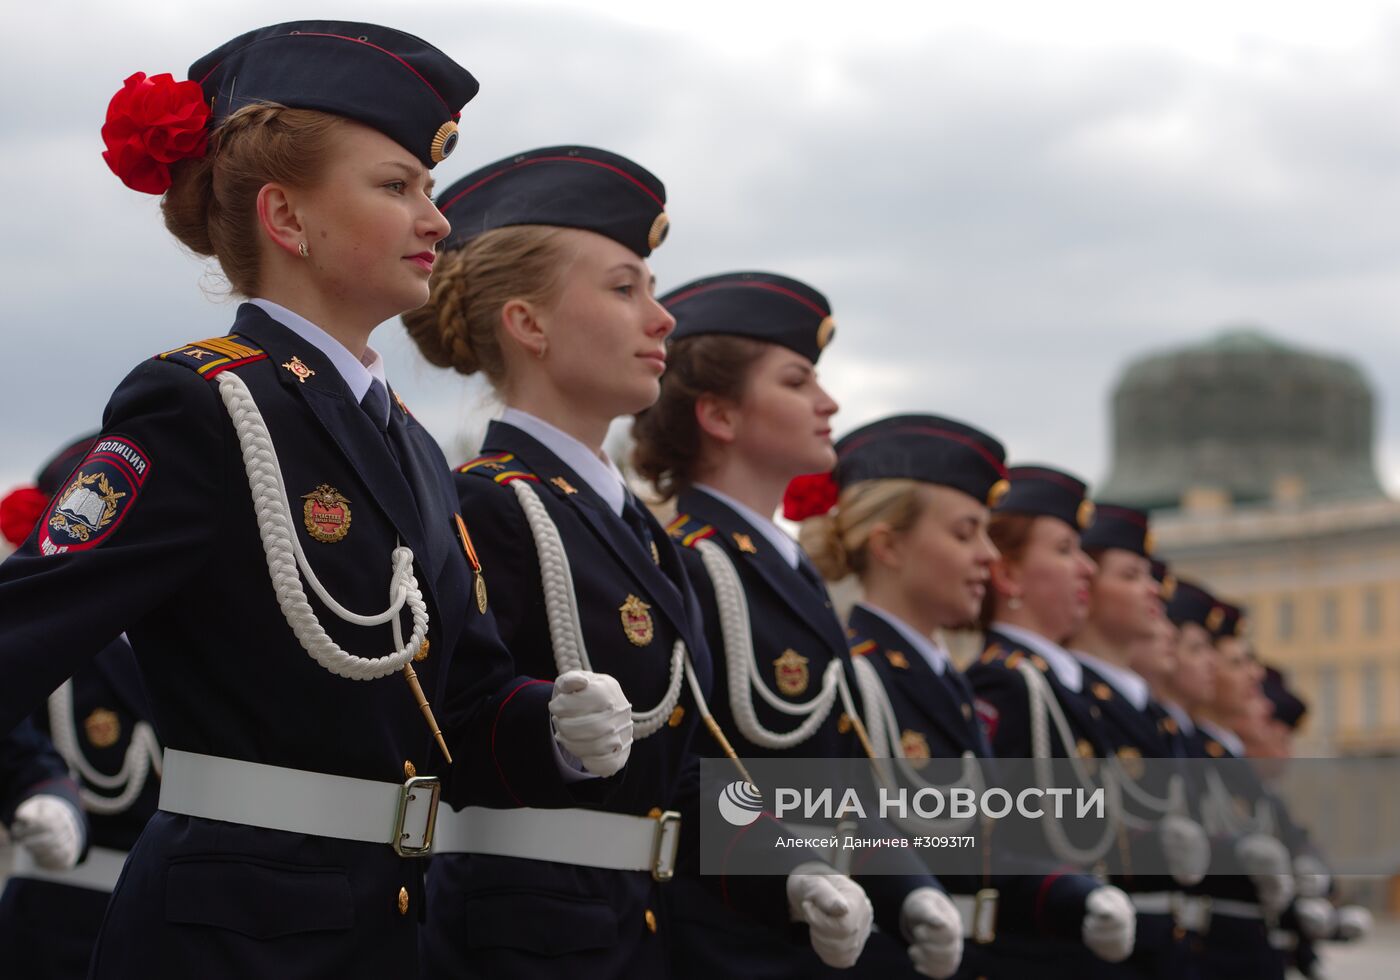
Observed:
{"x":1110,"y":924}
{"x":1186,"y":848}
{"x":592,"y":720}
{"x":835,"y":908}
{"x":933,"y":927}
{"x":51,"y":829}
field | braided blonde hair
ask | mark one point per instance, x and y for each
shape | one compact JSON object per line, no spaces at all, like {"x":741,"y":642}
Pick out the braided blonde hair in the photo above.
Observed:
{"x":458,"y":327}
{"x":838,"y":541}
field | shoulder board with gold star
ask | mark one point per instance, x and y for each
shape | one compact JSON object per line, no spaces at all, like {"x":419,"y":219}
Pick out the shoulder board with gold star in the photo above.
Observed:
{"x":503,"y":468}
{"x":209,"y":358}
{"x":863,"y":648}
{"x":687,"y":531}
{"x":993,"y":654}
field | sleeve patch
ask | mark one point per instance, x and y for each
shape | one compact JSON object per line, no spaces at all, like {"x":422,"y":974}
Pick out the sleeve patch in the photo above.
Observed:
{"x":988,"y":716}
{"x":97,"y":497}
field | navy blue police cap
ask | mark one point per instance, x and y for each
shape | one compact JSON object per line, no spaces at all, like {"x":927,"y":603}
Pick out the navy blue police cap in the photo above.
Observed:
{"x":1165,"y":579}
{"x":565,"y":187}
{"x":1226,"y":620}
{"x":388,"y":80}
{"x":1116,"y":526}
{"x":1190,"y":603}
{"x":926,"y":448}
{"x":758,"y":305}
{"x":1042,"y":491}
{"x":1288,"y":707}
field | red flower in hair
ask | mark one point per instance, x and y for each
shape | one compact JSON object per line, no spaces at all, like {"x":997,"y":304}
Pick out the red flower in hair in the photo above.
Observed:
{"x":20,"y":510}
{"x":152,"y":123}
{"x":809,"y":496}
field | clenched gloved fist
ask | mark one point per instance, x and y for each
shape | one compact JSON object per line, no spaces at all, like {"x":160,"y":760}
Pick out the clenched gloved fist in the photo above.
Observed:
{"x":1354,"y":922}
{"x":51,"y":829}
{"x":1311,"y":877}
{"x":835,"y":908}
{"x":1110,"y":924}
{"x":592,"y":720}
{"x":1186,"y":848}
{"x":1317,"y":919}
{"x":934,"y":929}
{"x":1266,"y":861}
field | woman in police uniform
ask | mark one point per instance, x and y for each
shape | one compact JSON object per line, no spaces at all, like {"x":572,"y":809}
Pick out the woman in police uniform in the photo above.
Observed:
{"x":544,"y":288}
{"x":910,"y":522}
{"x":742,"y":414}
{"x":100,"y":722}
{"x":297,"y":155}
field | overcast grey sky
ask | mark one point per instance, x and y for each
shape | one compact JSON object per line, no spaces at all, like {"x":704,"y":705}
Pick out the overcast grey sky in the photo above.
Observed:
{"x":1004,"y":203}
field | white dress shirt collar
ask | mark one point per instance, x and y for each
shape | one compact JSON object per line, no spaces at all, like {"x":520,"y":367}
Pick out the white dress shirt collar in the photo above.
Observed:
{"x":765,"y":526}
{"x":357,"y":373}
{"x":594,"y":469}
{"x":1066,"y":668}
{"x":936,"y":656}
{"x":1130,"y":685}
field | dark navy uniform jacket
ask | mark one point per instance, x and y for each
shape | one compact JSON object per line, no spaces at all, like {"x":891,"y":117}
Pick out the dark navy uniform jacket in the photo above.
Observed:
{"x":177,"y":563}
{"x":48,"y":928}
{"x":496,"y":916}
{"x":796,"y":635}
{"x":1037,"y":913}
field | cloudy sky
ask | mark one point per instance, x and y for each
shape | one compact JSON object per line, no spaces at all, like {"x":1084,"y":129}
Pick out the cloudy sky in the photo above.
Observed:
{"x":1004,"y":201}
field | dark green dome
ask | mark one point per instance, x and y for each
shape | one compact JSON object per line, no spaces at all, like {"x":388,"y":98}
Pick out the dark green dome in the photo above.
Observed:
{"x":1244,"y":414}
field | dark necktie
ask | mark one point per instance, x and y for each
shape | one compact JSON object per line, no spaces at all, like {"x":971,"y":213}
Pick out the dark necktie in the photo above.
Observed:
{"x":376,"y":405}
{"x":810,"y":575}
{"x":641,"y":528}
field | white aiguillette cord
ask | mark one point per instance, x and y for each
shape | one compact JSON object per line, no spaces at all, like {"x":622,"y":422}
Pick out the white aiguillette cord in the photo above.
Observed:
{"x":287,"y":563}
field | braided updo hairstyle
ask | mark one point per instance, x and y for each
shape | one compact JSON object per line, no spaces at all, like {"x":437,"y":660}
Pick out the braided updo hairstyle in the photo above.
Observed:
{"x":211,"y":205}
{"x":838,"y":541}
{"x":458,"y":327}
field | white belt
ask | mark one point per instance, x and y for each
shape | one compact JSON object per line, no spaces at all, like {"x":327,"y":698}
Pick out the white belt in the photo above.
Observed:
{"x":301,"y":802}
{"x":99,"y":871}
{"x":1191,"y":912}
{"x":590,"y":838}
{"x":1234,"y":909}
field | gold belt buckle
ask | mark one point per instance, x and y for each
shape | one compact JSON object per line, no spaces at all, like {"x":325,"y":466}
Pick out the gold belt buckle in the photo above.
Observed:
{"x":664,"y":844}
{"x":410,"y":792}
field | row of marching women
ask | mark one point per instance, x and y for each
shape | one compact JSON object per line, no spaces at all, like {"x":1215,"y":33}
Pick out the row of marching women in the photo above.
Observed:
{"x":334,"y":707}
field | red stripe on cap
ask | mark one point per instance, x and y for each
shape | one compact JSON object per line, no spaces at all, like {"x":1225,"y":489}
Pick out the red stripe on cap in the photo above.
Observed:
{"x":354,"y":40}
{"x":739,"y":283}
{"x":928,"y":430}
{"x":525,"y":163}
{"x":1035,"y":472}
{"x":1122,"y":513}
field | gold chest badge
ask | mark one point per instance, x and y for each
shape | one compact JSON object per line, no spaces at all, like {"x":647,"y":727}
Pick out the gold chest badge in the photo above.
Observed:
{"x":790,"y":670}
{"x":326,"y":514}
{"x":103,"y":728}
{"x":914,"y":744}
{"x":636,"y":621}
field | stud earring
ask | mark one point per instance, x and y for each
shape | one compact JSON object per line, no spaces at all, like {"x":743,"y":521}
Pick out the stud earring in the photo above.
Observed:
{"x":302,"y":250}
{"x":540,"y":350}
{"x":1014,"y":602}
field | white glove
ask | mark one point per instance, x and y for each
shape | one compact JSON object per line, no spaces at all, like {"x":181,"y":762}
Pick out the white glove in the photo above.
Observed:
{"x":592,"y":720}
{"x":934,"y":929}
{"x":1186,"y":848}
{"x":51,"y":829}
{"x":1317,"y":919}
{"x":835,"y":907}
{"x":1311,"y":876}
{"x":1110,"y":924}
{"x":1354,"y":922}
{"x":1266,"y":861}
